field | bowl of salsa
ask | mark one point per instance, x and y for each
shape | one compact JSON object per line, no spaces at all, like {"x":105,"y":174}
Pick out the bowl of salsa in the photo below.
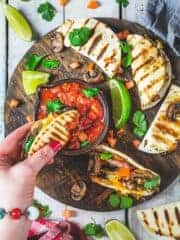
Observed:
{"x":91,"y":124}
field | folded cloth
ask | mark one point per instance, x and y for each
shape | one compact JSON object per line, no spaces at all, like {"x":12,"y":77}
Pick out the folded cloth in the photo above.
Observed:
{"x":163,"y":18}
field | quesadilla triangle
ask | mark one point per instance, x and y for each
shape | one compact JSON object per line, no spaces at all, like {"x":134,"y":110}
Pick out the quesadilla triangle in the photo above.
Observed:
{"x":52,"y":128}
{"x":164,"y":132}
{"x":102,"y":47}
{"x":163,"y":220}
{"x":118,"y":171}
{"x":151,"y":70}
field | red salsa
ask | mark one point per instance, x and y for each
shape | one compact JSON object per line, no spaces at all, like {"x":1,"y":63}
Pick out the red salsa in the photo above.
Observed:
{"x":89,"y":124}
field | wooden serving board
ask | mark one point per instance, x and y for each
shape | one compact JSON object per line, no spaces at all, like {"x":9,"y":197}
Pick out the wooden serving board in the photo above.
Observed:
{"x":57,"y":179}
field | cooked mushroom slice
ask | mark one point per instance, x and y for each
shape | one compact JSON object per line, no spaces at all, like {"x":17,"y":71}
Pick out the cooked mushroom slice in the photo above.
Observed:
{"x":78,"y":190}
{"x":93,"y":76}
{"x":173,"y":111}
{"x":58,"y":43}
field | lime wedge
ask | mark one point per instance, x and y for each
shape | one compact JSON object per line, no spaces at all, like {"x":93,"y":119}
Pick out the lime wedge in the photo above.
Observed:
{"x":32,"y":79}
{"x":121,"y":103}
{"x":18,"y":22}
{"x":118,"y":231}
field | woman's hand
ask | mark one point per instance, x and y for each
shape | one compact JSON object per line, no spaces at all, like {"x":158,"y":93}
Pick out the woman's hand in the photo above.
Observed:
{"x":17,"y":180}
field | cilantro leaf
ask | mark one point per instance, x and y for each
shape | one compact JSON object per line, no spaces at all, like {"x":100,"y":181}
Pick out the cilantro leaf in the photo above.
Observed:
{"x":140,"y":123}
{"x":84,"y":144}
{"x":125,"y":47}
{"x":90,"y":92}
{"x":93,"y":229}
{"x":32,"y":61}
{"x":105,"y":156}
{"x":80,"y":36}
{"x":51,"y":64}
{"x":47,"y":11}
{"x":127,"y":60}
{"x":45,"y":210}
{"x":152,"y":183}
{"x":126,"y":202}
{"x":54,"y":106}
{"x":28,"y":143}
{"x":114,"y":200}
{"x":123,"y":3}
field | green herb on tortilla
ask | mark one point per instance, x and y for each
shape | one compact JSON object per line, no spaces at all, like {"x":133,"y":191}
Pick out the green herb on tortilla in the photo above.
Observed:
{"x":140,"y":123}
{"x":123,"y":3}
{"x":105,"y":156}
{"x":32,"y":61}
{"x":28,"y":144}
{"x":50,"y":64}
{"x":47,"y":11}
{"x":150,"y":184}
{"x":90,"y":92}
{"x":127,"y":54}
{"x":80,"y":36}
{"x":54,"y":106}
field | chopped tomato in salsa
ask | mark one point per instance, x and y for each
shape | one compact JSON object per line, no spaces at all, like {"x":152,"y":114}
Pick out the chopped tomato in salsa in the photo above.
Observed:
{"x":90,"y":122}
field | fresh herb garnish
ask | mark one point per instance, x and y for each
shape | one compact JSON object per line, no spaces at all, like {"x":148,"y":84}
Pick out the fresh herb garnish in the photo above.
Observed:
{"x":117,"y":201}
{"x":90,"y":92}
{"x":140,"y":123}
{"x":114,"y":200}
{"x":105,"y":156}
{"x":45,"y":210}
{"x":54,"y":106}
{"x":84,"y":144}
{"x":126,"y":202}
{"x":50,"y":64}
{"x":93,"y":229}
{"x":127,"y":54}
{"x":152,"y":183}
{"x":79,"y":36}
{"x":47,"y":11}
{"x":28,"y":143}
{"x":32,"y":61}
{"x":123,"y":3}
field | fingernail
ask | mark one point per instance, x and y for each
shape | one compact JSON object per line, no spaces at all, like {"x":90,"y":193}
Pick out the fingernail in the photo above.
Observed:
{"x":55,"y":145}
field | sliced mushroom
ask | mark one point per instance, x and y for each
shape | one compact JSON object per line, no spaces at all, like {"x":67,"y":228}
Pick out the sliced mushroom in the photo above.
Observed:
{"x":173,"y":111}
{"x":14,"y":103}
{"x":58,"y":43}
{"x":78,"y":190}
{"x":93,"y":76}
{"x":75,"y":65}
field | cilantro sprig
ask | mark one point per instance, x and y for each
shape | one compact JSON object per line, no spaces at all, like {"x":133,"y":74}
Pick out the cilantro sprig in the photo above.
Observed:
{"x":91,"y":92}
{"x":152,"y":183}
{"x":45,"y":210}
{"x":32,"y":61}
{"x":80,"y":36}
{"x":50,"y":63}
{"x":47,"y":11}
{"x":84,"y":144}
{"x":54,"y":106}
{"x":122,"y":202}
{"x":28,"y":143}
{"x":93,"y":229}
{"x":123,"y":3}
{"x":105,"y":156}
{"x":140,"y":123}
{"x":127,"y":54}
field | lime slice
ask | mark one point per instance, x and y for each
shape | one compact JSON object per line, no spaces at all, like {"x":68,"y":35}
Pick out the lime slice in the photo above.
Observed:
{"x":32,"y":79}
{"x":117,"y":231}
{"x":18,"y":22}
{"x":121,"y":101}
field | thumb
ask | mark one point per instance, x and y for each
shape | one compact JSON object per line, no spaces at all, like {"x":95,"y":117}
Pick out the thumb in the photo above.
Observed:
{"x":41,"y":158}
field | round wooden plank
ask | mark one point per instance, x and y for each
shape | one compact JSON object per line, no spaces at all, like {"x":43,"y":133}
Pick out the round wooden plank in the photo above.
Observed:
{"x":57,"y":179}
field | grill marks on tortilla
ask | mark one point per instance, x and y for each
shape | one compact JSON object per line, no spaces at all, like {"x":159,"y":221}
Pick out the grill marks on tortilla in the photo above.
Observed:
{"x":55,"y":130}
{"x":177,"y":214}
{"x":150,"y":70}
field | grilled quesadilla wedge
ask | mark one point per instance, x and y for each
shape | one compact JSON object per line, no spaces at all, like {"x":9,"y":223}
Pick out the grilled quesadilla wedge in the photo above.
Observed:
{"x":164,"y":132}
{"x":52,"y":128}
{"x":102,"y":47}
{"x":163,"y":220}
{"x":116,"y":170}
{"x":151,"y":70}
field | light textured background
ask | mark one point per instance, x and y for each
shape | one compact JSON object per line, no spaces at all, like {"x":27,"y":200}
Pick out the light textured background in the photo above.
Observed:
{"x":11,"y":51}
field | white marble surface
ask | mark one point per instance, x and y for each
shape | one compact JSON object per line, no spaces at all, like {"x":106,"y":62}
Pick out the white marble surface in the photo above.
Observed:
{"x":11,"y":51}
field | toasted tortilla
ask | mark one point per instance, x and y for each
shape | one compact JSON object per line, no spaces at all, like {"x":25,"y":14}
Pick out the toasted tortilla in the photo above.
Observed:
{"x":110,"y":179}
{"x":51,"y":129}
{"x":151,"y":70}
{"x":163,"y":220}
{"x":164,"y":133}
{"x":102,"y":47}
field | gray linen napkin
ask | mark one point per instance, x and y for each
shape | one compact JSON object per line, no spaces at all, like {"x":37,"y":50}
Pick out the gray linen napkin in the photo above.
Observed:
{"x":163,"y":18}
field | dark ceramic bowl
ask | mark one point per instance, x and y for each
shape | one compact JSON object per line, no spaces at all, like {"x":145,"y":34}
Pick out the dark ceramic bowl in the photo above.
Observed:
{"x":102,"y":100}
